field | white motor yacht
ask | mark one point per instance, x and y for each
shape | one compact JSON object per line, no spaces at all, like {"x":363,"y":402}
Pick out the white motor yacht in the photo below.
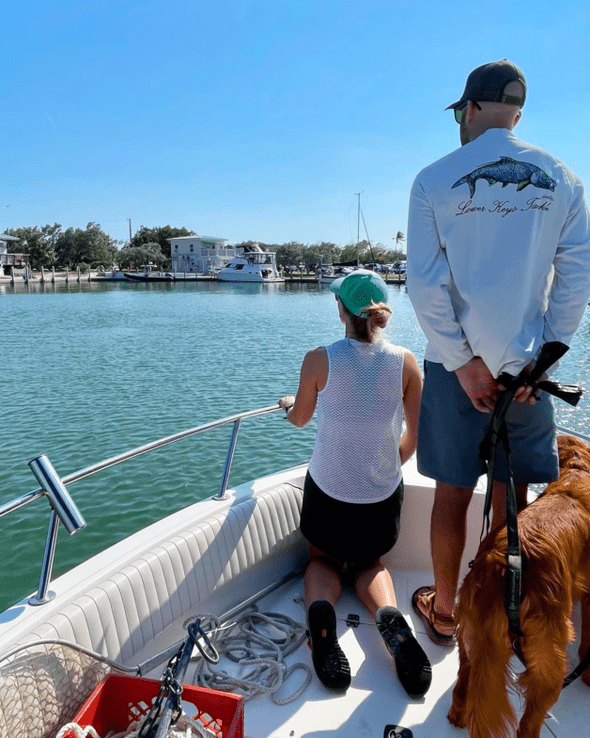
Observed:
{"x":253,"y":265}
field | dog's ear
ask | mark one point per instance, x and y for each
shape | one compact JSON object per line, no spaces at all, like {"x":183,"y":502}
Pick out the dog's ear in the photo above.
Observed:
{"x":573,"y":453}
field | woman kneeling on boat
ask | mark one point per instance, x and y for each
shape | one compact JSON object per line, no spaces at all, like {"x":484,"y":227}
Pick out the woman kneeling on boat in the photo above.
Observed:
{"x":363,"y":386}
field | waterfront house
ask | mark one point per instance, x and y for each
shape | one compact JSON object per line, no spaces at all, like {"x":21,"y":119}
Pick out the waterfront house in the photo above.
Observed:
{"x":199,"y":254}
{"x":7,"y":261}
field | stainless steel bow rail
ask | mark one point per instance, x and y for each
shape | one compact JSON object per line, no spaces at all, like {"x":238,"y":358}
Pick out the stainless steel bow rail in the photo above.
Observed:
{"x":63,"y":508}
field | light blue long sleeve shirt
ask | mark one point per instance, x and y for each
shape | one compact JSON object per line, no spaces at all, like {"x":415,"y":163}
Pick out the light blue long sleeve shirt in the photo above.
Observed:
{"x":498,"y":253}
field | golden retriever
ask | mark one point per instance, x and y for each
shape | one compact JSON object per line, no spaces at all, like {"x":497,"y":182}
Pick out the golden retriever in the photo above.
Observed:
{"x":554,"y":536}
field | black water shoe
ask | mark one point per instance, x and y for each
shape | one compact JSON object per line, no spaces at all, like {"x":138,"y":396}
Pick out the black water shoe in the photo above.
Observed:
{"x":397,"y":731}
{"x":329,"y":661}
{"x":412,"y":664}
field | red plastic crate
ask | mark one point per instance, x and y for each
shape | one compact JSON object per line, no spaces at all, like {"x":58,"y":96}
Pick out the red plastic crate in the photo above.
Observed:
{"x":117,"y":701}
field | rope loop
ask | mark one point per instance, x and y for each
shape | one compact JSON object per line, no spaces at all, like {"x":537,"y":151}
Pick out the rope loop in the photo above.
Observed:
{"x":258,"y":643}
{"x":299,"y":691}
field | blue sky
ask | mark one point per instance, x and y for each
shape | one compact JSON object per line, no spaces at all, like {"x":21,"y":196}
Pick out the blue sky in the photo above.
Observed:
{"x":261,"y":119}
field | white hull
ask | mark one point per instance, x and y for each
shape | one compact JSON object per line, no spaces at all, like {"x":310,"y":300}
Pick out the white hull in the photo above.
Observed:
{"x":115,"y":276}
{"x":254,"y":265}
{"x":328,"y":273}
{"x":231,"y":276}
{"x":133,"y":600}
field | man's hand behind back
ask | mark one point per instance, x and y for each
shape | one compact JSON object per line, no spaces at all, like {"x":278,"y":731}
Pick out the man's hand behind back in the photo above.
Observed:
{"x":479,"y":384}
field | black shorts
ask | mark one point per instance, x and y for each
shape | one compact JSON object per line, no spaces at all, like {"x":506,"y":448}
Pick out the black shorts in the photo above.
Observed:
{"x":351,"y":532}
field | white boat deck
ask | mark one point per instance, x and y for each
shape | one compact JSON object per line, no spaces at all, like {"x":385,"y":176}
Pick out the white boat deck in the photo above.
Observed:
{"x":376,"y":698}
{"x":133,"y":600}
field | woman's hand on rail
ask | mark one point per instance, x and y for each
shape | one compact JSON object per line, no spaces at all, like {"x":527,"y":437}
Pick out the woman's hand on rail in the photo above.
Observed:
{"x":286,"y":401}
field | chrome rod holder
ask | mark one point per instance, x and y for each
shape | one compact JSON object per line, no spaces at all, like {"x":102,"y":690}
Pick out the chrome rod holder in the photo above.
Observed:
{"x":221,"y":495}
{"x":43,"y":594}
{"x":59,"y":497}
{"x":64,"y":510}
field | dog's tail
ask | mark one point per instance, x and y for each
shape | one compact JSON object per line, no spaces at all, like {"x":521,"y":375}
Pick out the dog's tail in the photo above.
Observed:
{"x":483,"y":634}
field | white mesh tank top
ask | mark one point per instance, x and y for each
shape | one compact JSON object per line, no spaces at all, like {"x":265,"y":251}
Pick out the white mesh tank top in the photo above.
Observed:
{"x":359,"y":422}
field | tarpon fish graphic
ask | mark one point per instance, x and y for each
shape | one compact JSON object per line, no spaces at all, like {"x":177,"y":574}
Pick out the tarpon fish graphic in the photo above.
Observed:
{"x":508,"y":171}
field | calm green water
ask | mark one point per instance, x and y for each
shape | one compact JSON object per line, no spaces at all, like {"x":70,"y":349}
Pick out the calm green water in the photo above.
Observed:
{"x":92,"y":370}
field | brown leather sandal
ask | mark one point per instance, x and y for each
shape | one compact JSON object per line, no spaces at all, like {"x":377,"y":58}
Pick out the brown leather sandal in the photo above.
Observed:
{"x":423,"y":604}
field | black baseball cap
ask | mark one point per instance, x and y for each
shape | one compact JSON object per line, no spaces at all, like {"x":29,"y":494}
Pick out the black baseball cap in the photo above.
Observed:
{"x":488,"y":82}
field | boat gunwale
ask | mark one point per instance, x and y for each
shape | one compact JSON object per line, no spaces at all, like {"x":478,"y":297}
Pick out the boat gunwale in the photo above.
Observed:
{"x":151,"y":446}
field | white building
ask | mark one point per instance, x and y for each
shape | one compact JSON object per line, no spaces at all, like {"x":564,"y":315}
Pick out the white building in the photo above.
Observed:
{"x":7,"y":261}
{"x":199,"y":254}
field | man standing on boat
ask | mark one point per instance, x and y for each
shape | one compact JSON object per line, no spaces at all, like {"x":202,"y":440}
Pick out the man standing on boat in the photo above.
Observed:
{"x":498,"y":264}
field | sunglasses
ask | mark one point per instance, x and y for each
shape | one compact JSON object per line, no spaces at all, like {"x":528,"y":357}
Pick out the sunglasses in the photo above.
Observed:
{"x":459,"y":111}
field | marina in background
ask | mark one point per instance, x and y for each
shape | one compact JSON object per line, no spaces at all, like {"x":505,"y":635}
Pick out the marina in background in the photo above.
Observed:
{"x":24,"y":276}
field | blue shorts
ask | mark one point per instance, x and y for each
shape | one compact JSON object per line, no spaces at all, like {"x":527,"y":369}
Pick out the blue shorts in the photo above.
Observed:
{"x":450,"y":431}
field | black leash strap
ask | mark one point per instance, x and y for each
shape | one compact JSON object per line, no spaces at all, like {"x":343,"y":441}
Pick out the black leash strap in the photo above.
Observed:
{"x":514,"y":572}
{"x":580,"y":669}
{"x":497,"y":433}
{"x":550,"y":353}
{"x":488,"y":449}
{"x":167,"y":708}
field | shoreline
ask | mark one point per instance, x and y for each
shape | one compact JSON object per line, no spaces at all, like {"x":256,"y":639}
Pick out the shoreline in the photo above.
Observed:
{"x":65,"y":277}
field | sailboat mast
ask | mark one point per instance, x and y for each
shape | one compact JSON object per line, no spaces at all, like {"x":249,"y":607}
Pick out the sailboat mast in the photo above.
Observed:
{"x":358,"y":227}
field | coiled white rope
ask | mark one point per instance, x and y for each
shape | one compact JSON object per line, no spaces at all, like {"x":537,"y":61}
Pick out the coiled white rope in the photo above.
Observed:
{"x":258,"y":640}
{"x":79,"y":732}
{"x":186,"y":727}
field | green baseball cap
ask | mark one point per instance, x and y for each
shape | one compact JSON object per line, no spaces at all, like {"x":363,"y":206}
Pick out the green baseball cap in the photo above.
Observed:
{"x":358,"y":289}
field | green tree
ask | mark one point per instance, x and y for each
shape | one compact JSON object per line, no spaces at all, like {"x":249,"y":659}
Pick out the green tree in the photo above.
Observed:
{"x":350,"y":252}
{"x":367,"y":253}
{"x":329,"y":251}
{"x":321,"y":253}
{"x":289,"y":253}
{"x":37,"y":243}
{"x":91,"y":246}
{"x":381,"y":255}
{"x":159,"y":235}
{"x":137,"y":256}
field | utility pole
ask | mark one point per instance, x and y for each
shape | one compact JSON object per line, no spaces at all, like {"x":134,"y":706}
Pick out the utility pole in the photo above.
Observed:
{"x":129,"y":219}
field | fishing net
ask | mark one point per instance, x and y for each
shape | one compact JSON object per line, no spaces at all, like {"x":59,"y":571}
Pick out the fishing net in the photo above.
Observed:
{"x":43,"y":686}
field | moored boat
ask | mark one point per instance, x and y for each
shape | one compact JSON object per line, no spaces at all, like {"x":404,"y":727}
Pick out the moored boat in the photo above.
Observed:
{"x":239,"y":547}
{"x":327,"y":273}
{"x":114,"y":275}
{"x":149,"y":276}
{"x":253,"y":265}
